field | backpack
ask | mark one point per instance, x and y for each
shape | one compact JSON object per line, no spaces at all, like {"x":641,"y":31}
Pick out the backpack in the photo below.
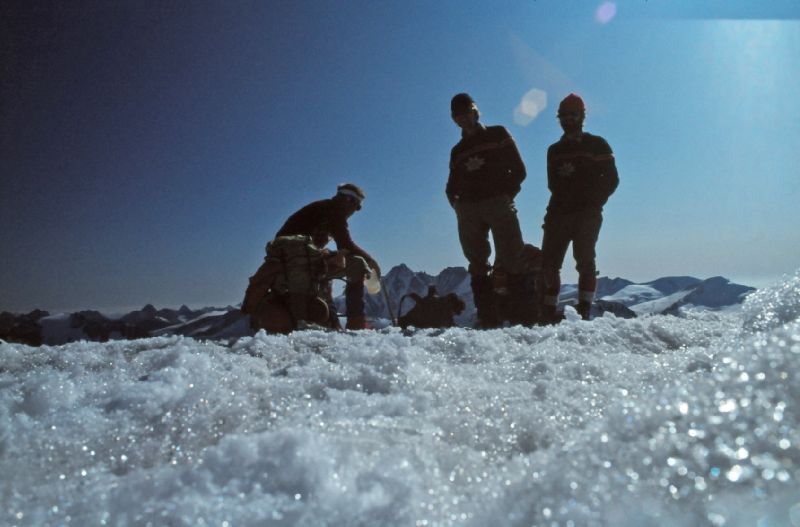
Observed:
{"x":431,"y":311}
{"x":292,"y":278}
{"x":302,"y":265}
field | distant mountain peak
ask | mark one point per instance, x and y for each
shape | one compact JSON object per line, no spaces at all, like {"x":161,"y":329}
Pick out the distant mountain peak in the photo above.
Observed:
{"x":673,"y":284}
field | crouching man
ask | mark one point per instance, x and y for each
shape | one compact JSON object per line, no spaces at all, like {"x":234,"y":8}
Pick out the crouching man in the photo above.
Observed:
{"x":292,"y":287}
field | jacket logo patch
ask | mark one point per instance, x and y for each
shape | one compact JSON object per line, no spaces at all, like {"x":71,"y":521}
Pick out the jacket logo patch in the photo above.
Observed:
{"x":474,"y":163}
{"x":566,"y":170}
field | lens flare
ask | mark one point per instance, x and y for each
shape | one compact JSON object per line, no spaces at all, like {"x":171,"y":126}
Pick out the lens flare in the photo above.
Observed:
{"x":606,"y":12}
{"x":531,"y":105}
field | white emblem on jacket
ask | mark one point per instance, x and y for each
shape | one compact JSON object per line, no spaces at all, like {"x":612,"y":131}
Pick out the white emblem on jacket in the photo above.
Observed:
{"x":566,"y":170}
{"x":474,"y":163}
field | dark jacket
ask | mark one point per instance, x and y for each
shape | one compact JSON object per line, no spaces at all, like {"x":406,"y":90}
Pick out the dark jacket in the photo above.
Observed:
{"x":485,"y":165}
{"x":322,"y":220}
{"x":581,"y":174}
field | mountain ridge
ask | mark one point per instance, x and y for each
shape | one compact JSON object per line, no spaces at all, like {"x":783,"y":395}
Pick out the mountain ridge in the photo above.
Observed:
{"x":624,"y":298}
{"x":665,"y":295}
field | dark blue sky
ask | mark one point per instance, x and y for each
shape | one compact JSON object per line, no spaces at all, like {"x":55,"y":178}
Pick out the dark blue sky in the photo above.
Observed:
{"x":148,"y":152}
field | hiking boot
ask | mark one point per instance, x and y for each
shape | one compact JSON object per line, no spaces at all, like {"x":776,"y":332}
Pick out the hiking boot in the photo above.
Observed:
{"x":524,"y":315}
{"x":585,"y":310}
{"x":357,"y":322}
{"x":549,"y":316}
{"x":522,"y":307}
{"x":500,"y":282}
{"x":484,"y":298}
{"x":487,"y":323}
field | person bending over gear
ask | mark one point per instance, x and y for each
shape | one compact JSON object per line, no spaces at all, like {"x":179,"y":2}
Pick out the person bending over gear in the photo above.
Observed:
{"x":486,"y":172}
{"x":301,"y":241}
{"x":581,"y":175}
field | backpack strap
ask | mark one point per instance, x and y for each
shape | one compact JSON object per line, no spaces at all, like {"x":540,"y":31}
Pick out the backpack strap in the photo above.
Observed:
{"x":414,"y":296}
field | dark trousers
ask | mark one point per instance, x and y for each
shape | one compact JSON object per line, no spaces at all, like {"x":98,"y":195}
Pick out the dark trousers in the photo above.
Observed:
{"x":354,"y":272}
{"x":560,"y":229}
{"x":476,"y":220}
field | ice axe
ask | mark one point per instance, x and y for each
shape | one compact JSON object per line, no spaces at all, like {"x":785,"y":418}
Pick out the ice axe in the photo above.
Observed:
{"x":374,"y":282}
{"x":388,"y":303}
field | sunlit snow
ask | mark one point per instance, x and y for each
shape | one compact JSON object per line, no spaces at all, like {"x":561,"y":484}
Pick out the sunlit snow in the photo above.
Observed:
{"x":654,"y":421}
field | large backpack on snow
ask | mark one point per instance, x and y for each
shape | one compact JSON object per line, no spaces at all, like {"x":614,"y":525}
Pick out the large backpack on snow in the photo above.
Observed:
{"x":431,"y":311}
{"x":288,"y":287}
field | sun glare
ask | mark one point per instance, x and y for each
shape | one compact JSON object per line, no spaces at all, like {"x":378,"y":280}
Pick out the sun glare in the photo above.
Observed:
{"x":757,"y":52}
{"x":531,"y":105}
{"x":605,"y":12}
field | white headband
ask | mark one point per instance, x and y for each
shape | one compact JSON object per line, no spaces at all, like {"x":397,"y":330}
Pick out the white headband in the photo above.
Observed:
{"x":348,"y":192}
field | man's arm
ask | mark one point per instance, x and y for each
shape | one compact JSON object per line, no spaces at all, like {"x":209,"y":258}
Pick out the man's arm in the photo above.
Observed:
{"x":551,"y":171}
{"x":514,"y":163}
{"x":607,"y":171}
{"x":450,"y":190}
{"x":341,"y":235}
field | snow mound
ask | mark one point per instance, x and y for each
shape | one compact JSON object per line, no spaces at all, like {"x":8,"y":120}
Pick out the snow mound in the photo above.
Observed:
{"x":772,"y":307}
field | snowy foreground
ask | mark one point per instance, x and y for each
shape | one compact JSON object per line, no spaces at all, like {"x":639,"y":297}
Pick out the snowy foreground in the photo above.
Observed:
{"x":656,"y":421}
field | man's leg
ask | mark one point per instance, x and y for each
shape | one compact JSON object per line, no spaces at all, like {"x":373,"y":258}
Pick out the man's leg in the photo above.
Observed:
{"x":554,"y":247}
{"x":508,"y":264}
{"x":583,"y":248}
{"x":502,"y":219}
{"x":326,"y":294}
{"x":473,"y":233}
{"x":528,"y":312}
{"x":356,"y":269}
{"x":484,"y":297}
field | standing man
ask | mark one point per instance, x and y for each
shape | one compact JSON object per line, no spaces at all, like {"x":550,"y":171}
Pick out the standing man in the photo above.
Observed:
{"x":486,"y":172}
{"x":581,"y":175}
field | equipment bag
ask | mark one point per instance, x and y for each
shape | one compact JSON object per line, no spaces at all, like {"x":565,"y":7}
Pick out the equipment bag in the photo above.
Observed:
{"x":431,"y":311}
{"x":302,"y":265}
{"x":273,"y":313}
{"x":293,"y":274}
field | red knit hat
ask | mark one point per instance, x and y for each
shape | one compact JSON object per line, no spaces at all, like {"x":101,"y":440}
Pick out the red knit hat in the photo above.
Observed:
{"x":571,"y":103}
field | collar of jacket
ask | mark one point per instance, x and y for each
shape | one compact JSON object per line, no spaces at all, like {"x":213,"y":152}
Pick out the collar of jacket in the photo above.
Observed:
{"x":576,"y":139}
{"x":480,"y":130}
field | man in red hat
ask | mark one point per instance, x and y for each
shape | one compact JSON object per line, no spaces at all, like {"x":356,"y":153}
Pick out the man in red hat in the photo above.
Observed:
{"x":581,"y":175}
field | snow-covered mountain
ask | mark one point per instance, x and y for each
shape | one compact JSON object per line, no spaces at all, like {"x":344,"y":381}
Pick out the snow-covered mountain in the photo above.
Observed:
{"x":670,"y":295}
{"x":623,"y":298}
{"x":40,"y":327}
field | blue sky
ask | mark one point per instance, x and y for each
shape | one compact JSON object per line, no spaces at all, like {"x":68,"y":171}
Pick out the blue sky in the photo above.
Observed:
{"x":147,"y":153}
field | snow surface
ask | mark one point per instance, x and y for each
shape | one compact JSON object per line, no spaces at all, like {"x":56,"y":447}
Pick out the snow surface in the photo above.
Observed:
{"x":654,"y":421}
